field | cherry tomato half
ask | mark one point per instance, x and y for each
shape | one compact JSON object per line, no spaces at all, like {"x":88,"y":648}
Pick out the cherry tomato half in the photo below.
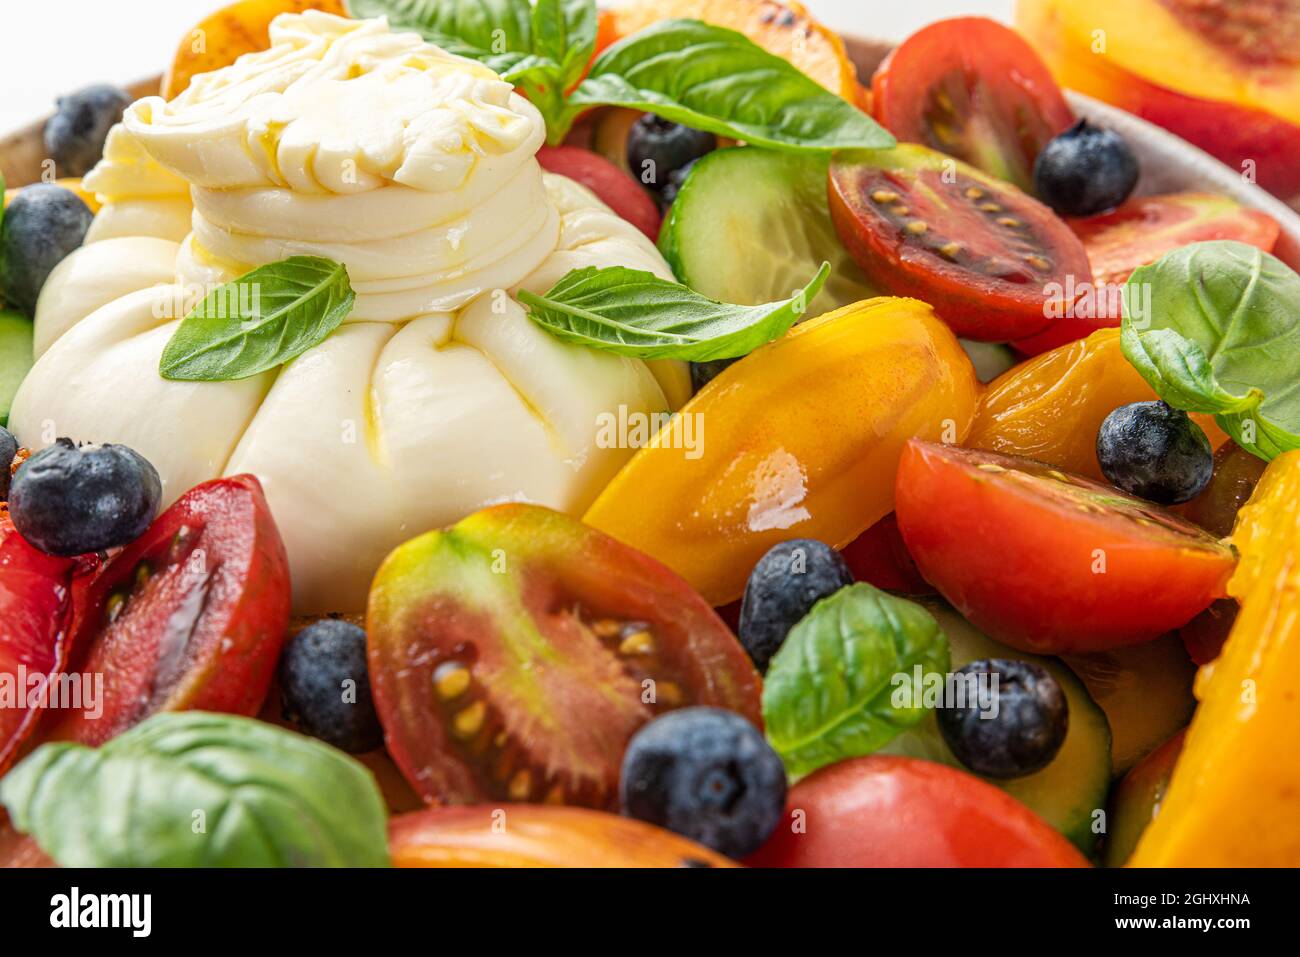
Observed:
{"x":1049,"y":562}
{"x":613,"y":186}
{"x":973,"y":89}
{"x":886,"y":811}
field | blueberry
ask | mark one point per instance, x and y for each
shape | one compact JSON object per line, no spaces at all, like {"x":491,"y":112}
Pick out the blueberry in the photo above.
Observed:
{"x":1085,"y":170}
{"x":702,"y":373}
{"x":1156,"y":452}
{"x":42,"y":225}
{"x":676,"y":179}
{"x":657,"y":147}
{"x":707,"y":774}
{"x":8,"y":449}
{"x":325,"y":686}
{"x":787,"y":581}
{"x":67,"y":500}
{"x":1015,"y":724}
{"x":75,"y":134}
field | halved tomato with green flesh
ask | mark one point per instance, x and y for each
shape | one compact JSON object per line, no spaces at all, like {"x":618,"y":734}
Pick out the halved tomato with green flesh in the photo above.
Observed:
{"x":514,"y":654}
{"x":973,"y":89}
{"x":1049,"y":562}
{"x":887,"y":811}
{"x":35,"y":628}
{"x":1138,"y":233}
{"x":532,"y":835}
{"x":191,"y":615}
{"x":19,"y":850}
{"x":613,"y":186}
{"x":994,"y":263}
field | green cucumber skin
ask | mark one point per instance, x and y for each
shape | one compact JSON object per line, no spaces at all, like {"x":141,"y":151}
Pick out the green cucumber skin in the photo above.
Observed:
{"x":15,"y":357}
{"x":750,"y":225}
{"x":1090,"y":786}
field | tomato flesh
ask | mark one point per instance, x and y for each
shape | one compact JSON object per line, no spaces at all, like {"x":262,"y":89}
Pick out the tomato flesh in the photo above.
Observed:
{"x":1048,"y":562}
{"x":880,"y":557}
{"x":530,"y":835}
{"x":514,"y":654}
{"x":1138,"y":233}
{"x":886,"y":811}
{"x":35,"y":623}
{"x":613,"y":186}
{"x":973,"y":89}
{"x":191,"y":615}
{"x":993,"y":262}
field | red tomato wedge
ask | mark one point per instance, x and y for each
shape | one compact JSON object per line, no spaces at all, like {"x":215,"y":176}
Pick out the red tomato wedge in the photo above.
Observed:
{"x":35,"y":629}
{"x":973,"y":89}
{"x":1137,"y":234}
{"x":191,"y":615}
{"x":514,"y":654}
{"x":993,"y":262}
{"x":880,"y":557}
{"x":1048,"y":562}
{"x":614,"y":187}
{"x":885,"y":811}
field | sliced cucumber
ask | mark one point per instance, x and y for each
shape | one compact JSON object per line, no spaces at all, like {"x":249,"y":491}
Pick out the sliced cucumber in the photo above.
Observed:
{"x":751,"y":226}
{"x":1069,"y":791}
{"x":15,"y":356}
{"x":990,"y":359}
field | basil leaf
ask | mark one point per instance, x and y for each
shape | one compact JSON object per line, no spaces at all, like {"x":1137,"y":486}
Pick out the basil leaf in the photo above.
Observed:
{"x":1215,"y":327}
{"x":259,"y":321}
{"x":564,"y":31}
{"x":496,"y":32}
{"x":843,"y":684}
{"x":716,"y":79}
{"x":635,"y":313}
{"x":192,"y":789}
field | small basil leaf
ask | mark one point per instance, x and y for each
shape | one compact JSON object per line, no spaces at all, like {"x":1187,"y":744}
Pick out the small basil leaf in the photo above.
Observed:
{"x":259,"y":321}
{"x":1215,"y":327}
{"x":564,"y":31}
{"x":635,"y":313}
{"x":192,"y":789}
{"x":843,"y":684}
{"x":718,"y":80}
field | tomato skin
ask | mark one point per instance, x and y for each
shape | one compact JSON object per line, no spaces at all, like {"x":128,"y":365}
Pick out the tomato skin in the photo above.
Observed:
{"x":1017,"y":106}
{"x":533,"y":835}
{"x":1138,"y":233}
{"x":242,"y":613}
{"x":614,"y":187}
{"x":1045,"y":572}
{"x":880,"y":557}
{"x":35,"y":629}
{"x":888,"y":811}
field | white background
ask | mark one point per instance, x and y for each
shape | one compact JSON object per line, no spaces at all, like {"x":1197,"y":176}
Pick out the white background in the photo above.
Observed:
{"x":54,"y":46}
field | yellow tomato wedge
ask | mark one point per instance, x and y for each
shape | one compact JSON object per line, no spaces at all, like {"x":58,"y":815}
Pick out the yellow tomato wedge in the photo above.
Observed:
{"x":800,"y":439}
{"x":1232,"y":799}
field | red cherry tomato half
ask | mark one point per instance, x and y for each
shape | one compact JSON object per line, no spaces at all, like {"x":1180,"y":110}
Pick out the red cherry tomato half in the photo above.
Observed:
{"x":973,"y":89}
{"x":35,"y":630}
{"x":514,"y":654}
{"x":1136,"y":234}
{"x":614,"y":187}
{"x":1048,"y":562}
{"x":191,"y":615}
{"x":880,"y":557}
{"x":885,"y":811}
{"x":994,"y":263}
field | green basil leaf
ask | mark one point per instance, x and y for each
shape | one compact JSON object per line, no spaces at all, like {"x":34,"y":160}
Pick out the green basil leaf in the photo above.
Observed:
{"x":716,"y":79}
{"x":495,"y":32}
{"x":564,"y":31}
{"x":259,"y":321}
{"x":192,"y":789}
{"x":635,"y":313}
{"x":1215,"y":327}
{"x":843,"y":683}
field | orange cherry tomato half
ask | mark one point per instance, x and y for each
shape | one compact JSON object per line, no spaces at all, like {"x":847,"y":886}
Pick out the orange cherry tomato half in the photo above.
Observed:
{"x":973,"y":89}
{"x":536,"y":835}
{"x":886,"y":811}
{"x":1049,"y":562}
